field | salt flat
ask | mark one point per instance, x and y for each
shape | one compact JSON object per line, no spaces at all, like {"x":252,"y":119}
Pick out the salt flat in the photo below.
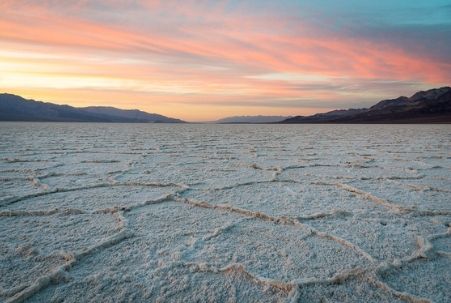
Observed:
{"x":225,"y":213}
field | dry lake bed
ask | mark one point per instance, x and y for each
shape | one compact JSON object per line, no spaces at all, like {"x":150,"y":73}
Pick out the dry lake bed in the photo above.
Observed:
{"x":225,"y":213}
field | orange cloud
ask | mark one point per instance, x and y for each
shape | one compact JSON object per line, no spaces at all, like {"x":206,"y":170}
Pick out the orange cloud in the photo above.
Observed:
{"x":221,"y":59}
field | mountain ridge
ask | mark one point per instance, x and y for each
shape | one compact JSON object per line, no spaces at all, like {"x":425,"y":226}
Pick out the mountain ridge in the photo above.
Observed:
{"x":17,"y":108}
{"x":431,"y":106}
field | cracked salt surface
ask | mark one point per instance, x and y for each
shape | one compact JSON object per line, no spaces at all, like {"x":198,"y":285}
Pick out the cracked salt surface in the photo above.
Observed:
{"x":224,"y":213}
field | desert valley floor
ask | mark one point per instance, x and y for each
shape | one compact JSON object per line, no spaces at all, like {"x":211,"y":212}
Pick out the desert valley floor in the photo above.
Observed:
{"x":224,"y":213}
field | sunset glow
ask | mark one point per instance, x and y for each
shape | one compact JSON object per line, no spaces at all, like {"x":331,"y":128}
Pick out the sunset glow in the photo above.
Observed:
{"x":202,"y":60}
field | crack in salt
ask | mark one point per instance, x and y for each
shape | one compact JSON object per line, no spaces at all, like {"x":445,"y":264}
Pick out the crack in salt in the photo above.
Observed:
{"x":278,"y":220}
{"x":58,"y":275}
{"x":368,"y":196}
{"x":12,"y":200}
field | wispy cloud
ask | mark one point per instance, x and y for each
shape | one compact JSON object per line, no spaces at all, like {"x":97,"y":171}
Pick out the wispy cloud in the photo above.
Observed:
{"x":166,"y":55}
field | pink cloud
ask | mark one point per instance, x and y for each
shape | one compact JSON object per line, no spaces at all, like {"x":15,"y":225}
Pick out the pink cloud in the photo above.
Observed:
{"x":218,"y":54}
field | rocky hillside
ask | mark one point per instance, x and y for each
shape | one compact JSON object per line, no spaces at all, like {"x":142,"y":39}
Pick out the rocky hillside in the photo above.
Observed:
{"x":432,"y":106}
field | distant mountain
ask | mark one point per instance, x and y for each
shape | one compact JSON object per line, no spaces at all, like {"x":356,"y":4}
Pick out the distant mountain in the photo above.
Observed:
{"x":16,"y":108}
{"x":251,"y":119}
{"x":432,"y":106}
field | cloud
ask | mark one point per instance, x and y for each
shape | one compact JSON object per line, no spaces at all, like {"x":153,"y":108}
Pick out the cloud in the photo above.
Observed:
{"x":212,"y":54}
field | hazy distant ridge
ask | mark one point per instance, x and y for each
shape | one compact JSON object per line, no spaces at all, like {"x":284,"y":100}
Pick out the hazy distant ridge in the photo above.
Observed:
{"x":252,"y":119}
{"x":16,"y":108}
{"x":432,"y":106}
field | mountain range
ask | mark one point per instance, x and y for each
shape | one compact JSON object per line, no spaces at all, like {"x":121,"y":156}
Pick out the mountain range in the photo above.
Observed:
{"x":251,"y":119}
{"x":16,"y":108}
{"x":431,"y":106}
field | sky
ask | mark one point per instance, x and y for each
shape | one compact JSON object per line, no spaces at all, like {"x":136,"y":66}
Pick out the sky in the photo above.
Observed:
{"x":203,"y":60}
